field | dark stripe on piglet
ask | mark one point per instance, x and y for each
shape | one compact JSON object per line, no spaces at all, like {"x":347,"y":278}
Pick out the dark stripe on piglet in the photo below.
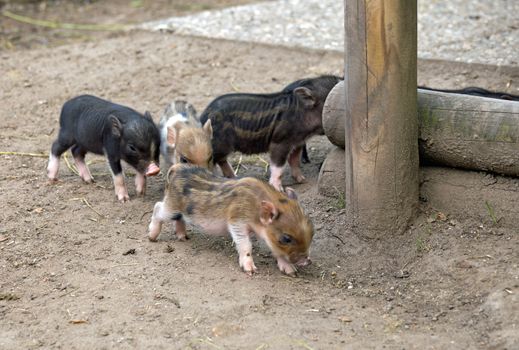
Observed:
{"x":190,"y":208}
{"x":176,"y":216}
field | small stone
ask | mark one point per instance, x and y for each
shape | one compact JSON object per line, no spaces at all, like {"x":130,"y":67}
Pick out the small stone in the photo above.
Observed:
{"x":129,"y":251}
{"x":344,"y":319}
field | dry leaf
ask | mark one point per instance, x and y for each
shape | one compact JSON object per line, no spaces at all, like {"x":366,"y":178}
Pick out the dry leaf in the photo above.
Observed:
{"x":78,"y":321}
{"x":441,"y":216}
{"x":344,"y":319}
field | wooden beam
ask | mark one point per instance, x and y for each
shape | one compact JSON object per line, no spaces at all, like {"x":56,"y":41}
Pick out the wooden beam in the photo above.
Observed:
{"x":381,"y":134}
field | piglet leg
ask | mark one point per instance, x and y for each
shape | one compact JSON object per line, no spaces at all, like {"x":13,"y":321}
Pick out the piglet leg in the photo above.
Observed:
{"x":240,"y":236}
{"x":227,"y":170}
{"x":286,"y":267}
{"x":140,"y":184}
{"x":294,"y":160}
{"x":118,"y":176}
{"x":276,"y":172}
{"x":158,"y":217}
{"x":65,"y":141}
{"x":120,"y":188}
{"x":278,"y":157}
{"x":180,"y":229}
{"x":53,"y":167}
{"x":82,"y":168}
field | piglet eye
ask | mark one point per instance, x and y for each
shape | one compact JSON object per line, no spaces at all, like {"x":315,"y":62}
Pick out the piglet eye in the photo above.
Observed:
{"x":132,"y":148}
{"x":285,"y":239}
{"x":183,"y":159}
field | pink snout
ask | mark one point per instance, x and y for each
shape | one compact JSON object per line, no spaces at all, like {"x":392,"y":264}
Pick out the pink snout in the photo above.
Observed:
{"x":152,"y":170}
{"x":303,"y":262}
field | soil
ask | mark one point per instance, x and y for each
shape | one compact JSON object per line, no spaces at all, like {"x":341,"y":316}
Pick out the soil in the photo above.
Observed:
{"x":79,"y":273}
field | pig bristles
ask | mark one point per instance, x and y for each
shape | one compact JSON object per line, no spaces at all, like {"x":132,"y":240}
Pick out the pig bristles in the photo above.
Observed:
{"x":23,"y":154}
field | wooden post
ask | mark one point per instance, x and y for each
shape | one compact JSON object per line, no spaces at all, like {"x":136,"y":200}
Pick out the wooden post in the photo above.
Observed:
{"x":380,"y":121}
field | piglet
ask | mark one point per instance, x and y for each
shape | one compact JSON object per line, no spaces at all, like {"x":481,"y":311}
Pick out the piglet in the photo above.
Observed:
{"x":477,"y":91}
{"x":239,"y":207}
{"x":91,"y":124}
{"x":182,"y":138}
{"x":278,"y":123}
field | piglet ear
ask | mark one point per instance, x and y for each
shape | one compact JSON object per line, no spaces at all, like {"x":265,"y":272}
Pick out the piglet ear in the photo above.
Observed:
{"x":268,"y":212}
{"x":306,"y":96}
{"x":291,"y":193}
{"x":116,"y":125}
{"x":147,"y":115}
{"x":208,"y":128}
{"x":171,"y":136}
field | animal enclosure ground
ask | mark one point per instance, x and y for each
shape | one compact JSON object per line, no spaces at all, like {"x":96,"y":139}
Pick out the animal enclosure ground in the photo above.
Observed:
{"x":77,"y":270}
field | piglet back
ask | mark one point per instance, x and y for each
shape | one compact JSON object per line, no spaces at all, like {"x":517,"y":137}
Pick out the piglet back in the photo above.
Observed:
{"x":180,"y":109}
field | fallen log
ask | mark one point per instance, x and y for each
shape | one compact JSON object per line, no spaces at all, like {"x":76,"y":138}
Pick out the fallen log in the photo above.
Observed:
{"x":455,"y":130}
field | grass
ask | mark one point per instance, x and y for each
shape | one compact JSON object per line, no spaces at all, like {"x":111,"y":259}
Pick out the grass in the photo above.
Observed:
{"x":421,"y":241}
{"x":491,"y":212}
{"x":421,"y":245}
{"x":340,"y":200}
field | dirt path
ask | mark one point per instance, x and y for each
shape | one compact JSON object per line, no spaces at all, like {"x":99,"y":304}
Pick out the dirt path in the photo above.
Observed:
{"x":449,"y":283}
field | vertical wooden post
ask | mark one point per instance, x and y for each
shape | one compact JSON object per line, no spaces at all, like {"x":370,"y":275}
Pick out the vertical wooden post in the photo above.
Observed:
{"x":381,"y":128}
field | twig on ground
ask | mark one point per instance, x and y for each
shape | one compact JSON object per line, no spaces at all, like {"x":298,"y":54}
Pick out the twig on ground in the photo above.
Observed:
{"x":70,"y":166}
{"x":119,"y":265}
{"x":24,"y":154}
{"x":60,"y":25}
{"x":88,"y":205}
{"x":84,"y":200}
{"x":238,"y":166}
{"x":339,"y":238}
{"x":146,"y":212}
{"x":266,"y":164}
{"x":234,"y":86}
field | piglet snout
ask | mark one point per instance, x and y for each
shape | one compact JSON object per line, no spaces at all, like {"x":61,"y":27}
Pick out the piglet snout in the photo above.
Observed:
{"x":304,"y":262}
{"x":152,"y":170}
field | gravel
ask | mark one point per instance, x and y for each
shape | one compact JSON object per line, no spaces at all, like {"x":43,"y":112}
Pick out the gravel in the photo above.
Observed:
{"x":476,"y":31}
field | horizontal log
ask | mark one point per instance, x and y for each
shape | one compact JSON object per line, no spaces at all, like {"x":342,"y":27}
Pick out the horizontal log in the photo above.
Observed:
{"x":456,"y":130}
{"x":334,"y":110}
{"x":332,"y":182}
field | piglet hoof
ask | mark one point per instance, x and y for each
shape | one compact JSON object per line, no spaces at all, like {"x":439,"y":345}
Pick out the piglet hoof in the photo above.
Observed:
{"x":277,"y":185}
{"x":52,"y":181}
{"x":287,"y":267}
{"x":247,"y":264}
{"x":152,"y":239}
{"x":300,"y":179}
{"x":122,"y":194}
{"x":123,"y":198}
{"x":182,"y":238}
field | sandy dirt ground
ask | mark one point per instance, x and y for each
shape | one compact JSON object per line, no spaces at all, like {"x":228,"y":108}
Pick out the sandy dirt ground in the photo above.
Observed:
{"x":77,"y":271}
